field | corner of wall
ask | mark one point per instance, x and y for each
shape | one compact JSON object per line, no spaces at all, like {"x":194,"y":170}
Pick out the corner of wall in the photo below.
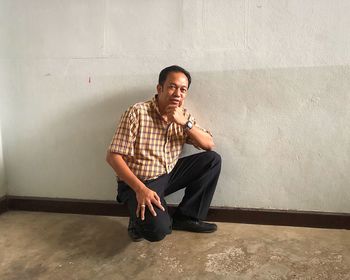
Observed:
{"x":3,"y":181}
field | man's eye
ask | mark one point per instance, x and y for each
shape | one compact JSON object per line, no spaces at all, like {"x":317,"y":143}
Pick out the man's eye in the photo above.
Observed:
{"x":184,"y":90}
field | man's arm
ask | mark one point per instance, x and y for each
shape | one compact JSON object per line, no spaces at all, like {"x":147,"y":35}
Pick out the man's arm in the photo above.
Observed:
{"x":144,"y":195}
{"x":199,"y":137}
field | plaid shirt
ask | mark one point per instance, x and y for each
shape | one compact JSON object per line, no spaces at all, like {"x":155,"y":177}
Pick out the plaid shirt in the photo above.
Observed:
{"x":149,"y":146}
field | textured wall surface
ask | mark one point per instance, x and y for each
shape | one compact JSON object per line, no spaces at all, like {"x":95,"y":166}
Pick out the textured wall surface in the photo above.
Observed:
{"x":270,"y":80}
{"x":3,"y":189}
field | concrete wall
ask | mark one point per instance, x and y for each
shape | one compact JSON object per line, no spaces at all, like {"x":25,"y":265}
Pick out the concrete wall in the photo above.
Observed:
{"x":4,"y":92}
{"x":3,"y":188}
{"x":270,"y":80}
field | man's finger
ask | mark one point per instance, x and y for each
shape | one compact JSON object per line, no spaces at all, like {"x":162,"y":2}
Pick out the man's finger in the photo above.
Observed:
{"x":156,"y":196}
{"x":143,"y":208}
{"x":150,"y":207}
{"x":158,"y":199}
{"x":158,"y":204}
{"x":137,"y":210}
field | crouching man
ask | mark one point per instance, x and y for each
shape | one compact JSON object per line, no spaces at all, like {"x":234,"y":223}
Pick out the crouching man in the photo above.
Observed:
{"x":144,"y":153}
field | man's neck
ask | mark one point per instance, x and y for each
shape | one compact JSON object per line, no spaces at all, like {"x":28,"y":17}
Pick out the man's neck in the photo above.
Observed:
{"x":161,"y":109}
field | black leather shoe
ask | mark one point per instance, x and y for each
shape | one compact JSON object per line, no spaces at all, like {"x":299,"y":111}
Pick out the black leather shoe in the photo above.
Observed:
{"x":132,"y":232}
{"x":193,"y":225}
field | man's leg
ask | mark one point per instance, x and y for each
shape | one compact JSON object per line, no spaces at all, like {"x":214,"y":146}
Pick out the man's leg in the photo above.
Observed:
{"x":199,"y":174}
{"x":152,"y":228}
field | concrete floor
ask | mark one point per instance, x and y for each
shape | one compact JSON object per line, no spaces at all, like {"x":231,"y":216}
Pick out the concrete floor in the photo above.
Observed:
{"x":37,"y":245}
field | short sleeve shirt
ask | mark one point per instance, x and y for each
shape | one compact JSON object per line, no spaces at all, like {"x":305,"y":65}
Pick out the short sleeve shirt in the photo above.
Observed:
{"x":149,"y":145}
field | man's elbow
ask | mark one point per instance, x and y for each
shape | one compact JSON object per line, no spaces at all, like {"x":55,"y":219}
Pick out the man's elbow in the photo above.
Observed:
{"x":210,"y":145}
{"x":108,"y":157}
{"x":112,"y":157}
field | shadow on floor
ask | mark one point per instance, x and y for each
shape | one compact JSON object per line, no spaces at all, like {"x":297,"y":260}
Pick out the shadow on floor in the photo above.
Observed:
{"x":100,"y":237}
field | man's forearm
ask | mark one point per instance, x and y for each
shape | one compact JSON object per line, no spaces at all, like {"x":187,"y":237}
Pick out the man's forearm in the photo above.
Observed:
{"x":123,"y":171}
{"x":201,"y":138}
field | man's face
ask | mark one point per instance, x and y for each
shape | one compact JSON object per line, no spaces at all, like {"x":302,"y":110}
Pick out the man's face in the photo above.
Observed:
{"x":174,"y":89}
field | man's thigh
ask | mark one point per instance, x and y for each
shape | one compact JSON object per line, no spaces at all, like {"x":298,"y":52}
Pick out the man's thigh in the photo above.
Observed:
{"x":191,"y":168}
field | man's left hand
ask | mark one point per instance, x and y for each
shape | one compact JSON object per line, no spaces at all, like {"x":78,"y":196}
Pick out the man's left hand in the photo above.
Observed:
{"x":176,"y":114}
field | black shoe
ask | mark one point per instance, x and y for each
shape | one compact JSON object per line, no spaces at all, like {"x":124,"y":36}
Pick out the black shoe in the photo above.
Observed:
{"x":193,"y":225}
{"x":132,"y":232}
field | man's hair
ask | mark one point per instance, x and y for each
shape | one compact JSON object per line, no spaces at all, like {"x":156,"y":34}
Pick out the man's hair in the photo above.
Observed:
{"x":174,"y":68}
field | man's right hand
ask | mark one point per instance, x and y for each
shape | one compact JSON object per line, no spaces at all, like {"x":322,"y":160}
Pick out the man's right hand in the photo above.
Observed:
{"x":145,"y":198}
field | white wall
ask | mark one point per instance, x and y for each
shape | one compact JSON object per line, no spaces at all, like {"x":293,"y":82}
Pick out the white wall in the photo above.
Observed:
{"x":4,"y":91}
{"x":3,"y":189}
{"x":270,"y":79}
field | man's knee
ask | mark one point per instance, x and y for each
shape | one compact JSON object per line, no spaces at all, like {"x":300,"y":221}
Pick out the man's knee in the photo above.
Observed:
{"x":154,"y":228}
{"x":213,"y":157}
{"x":154,"y":236}
{"x":216,"y":157}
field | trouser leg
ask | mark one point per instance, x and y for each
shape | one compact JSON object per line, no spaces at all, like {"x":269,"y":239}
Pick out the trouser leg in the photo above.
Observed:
{"x":152,"y":228}
{"x":198,"y":174}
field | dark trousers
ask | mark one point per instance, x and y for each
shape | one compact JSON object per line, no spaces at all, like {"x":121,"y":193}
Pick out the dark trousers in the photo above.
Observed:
{"x":198,"y":174}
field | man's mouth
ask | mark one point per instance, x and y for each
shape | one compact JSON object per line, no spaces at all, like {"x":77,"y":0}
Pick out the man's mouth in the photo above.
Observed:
{"x":175,"y":101}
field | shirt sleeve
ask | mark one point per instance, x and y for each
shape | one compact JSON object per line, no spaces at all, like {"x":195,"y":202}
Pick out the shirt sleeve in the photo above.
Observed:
{"x":194,"y":122}
{"x":125,"y":134}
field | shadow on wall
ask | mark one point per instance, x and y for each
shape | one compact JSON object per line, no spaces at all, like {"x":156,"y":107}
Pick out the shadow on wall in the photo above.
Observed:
{"x":74,"y":147}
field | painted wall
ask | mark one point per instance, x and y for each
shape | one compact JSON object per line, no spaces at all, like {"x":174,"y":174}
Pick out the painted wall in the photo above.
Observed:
{"x":3,"y":189}
{"x":270,"y":80}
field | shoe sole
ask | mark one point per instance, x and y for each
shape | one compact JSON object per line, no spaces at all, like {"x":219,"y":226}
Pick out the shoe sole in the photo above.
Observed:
{"x":137,"y":240}
{"x":197,"y":231}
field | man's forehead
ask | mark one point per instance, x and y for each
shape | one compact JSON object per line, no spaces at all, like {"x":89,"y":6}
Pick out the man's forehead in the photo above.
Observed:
{"x":177,"y":78}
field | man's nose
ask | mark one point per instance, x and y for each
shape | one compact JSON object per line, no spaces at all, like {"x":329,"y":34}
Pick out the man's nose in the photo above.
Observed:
{"x":177,"y":92}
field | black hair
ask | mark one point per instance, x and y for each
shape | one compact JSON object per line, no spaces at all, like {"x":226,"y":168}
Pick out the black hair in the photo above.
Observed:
{"x":174,"y":68}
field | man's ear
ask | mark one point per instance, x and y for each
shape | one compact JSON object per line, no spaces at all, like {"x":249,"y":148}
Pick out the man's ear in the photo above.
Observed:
{"x":159,"y":88}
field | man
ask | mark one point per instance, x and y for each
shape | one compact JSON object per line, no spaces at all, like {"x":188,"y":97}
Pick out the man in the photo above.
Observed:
{"x":144,"y":153}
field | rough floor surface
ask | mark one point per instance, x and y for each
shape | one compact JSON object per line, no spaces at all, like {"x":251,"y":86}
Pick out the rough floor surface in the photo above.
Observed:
{"x":36,"y":245}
